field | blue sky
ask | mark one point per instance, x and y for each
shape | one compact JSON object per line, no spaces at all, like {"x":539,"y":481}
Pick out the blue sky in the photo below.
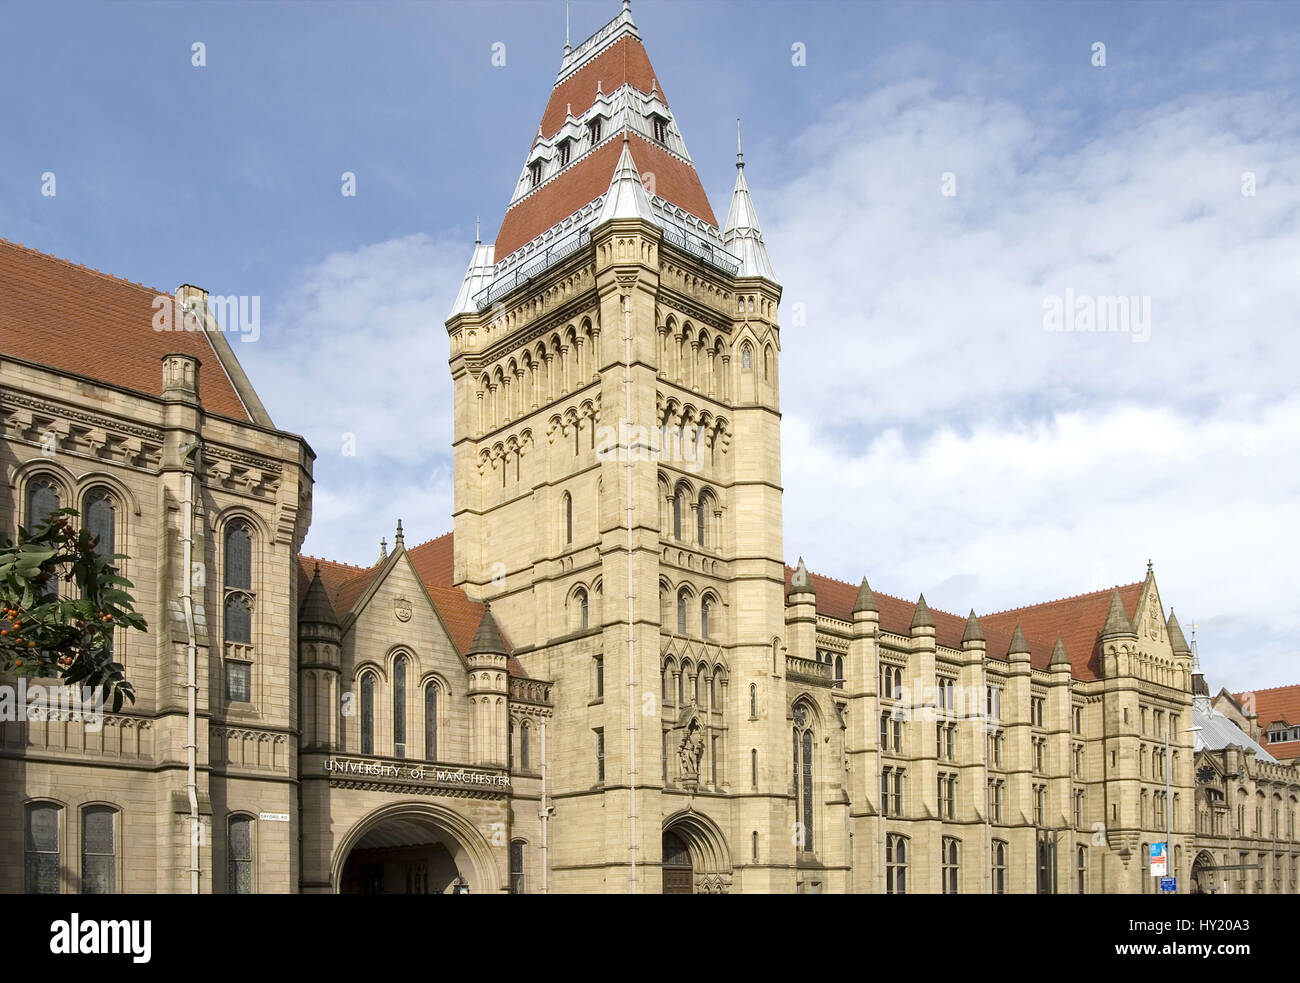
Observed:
{"x":975,"y":455}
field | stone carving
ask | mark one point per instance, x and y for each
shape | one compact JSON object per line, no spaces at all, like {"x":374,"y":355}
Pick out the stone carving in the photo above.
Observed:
{"x":402,"y":609}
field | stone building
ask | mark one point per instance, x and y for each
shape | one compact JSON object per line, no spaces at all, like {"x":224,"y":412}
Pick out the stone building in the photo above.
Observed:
{"x":606,"y":678}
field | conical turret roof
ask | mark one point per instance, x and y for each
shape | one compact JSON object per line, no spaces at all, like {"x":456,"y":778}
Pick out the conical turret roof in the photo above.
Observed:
{"x":316,"y":608}
{"x":487,"y":640}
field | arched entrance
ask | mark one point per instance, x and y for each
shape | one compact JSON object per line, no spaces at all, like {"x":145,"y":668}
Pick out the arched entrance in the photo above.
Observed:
{"x":695,"y":856}
{"x":415,"y":848}
{"x":1204,"y":876}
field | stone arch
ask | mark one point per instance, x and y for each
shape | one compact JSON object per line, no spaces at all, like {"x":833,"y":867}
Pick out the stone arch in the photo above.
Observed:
{"x":473,"y":856}
{"x":706,"y":845}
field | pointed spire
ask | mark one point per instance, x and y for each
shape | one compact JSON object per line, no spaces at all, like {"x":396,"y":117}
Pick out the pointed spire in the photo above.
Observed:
{"x":316,"y":608}
{"x":626,"y":197}
{"x":1117,"y":619}
{"x":477,"y":278}
{"x":1059,"y":658}
{"x":487,"y":640}
{"x":478,"y":238}
{"x":399,"y":540}
{"x":742,"y":235}
{"x":799,"y":580}
{"x":1176,"y":638}
{"x":866,"y":600}
{"x":973,"y":632}
{"x":383,"y":548}
{"x":1019,"y":644}
{"x":921,"y":617}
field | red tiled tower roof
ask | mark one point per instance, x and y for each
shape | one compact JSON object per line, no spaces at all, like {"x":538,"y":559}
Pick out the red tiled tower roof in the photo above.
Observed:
{"x":81,"y":321}
{"x":625,"y":62}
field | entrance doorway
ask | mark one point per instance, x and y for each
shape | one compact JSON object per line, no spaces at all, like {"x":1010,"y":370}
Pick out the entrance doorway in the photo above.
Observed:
{"x":401,"y":856}
{"x":679,"y":876}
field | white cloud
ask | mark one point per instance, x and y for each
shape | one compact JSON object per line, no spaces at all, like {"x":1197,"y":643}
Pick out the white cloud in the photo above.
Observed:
{"x":972,"y":454}
{"x":979,"y":457}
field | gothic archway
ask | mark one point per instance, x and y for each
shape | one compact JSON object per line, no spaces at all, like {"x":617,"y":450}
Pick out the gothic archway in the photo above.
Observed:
{"x":414,"y":848}
{"x":694,"y":848}
{"x":1204,"y":876}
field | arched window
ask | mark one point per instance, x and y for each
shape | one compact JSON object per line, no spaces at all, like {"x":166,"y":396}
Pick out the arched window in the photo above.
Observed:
{"x":753,"y":767}
{"x":523,"y":746}
{"x":681,"y":611}
{"x":746,"y":357}
{"x":1081,"y":869}
{"x":99,"y":515}
{"x":699,"y":687}
{"x":399,"y":707}
{"x":42,"y":499}
{"x":753,"y":842}
{"x":839,"y":670}
{"x":949,"y":864}
{"x":803,"y":774}
{"x":239,"y":855}
{"x":431,"y":722}
{"x":516,"y":866}
{"x":41,"y":848}
{"x":368,"y":713}
{"x":705,"y":606}
{"x":999,"y":867}
{"x":753,"y":701}
{"x":582,"y":609}
{"x":567,"y":501}
{"x":510,"y":745}
{"x":895,"y":864}
{"x":238,"y":557}
{"x":98,"y":850}
{"x":668,"y":684}
{"x":678,"y":504}
{"x":701,"y":521}
{"x":239,"y":619}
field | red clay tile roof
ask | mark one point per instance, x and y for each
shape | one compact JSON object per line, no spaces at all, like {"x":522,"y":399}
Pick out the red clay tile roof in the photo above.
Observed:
{"x":625,"y":61}
{"x":345,"y":584}
{"x":76,"y":320}
{"x":586,"y":180}
{"x":1281,"y":704}
{"x":1077,"y":620}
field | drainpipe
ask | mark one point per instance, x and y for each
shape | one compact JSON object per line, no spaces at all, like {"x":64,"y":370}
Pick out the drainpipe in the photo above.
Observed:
{"x":631,"y":596}
{"x":545,"y":813}
{"x":191,"y":685}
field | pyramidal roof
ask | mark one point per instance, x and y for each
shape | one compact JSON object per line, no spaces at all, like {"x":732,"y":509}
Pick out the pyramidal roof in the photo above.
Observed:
{"x":607,"y":104}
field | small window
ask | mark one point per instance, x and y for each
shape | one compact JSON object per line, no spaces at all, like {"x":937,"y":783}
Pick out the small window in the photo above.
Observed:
{"x":753,"y":701}
{"x":517,"y":867}
{"x":565,"y":151}
{"x":98,"y":850}
{"x":582,"y":609}
{"x":568,"y":518}
{"x":746,"y":358}
{"x":681,"y":613}
{"x":705,"y":610}
{"x":660,"y":129}
{"x":41,"y":848}
{"x":523,"y":746}
{"x":600,"y":676}
{"x":239,"y":687}
{"x":594,"y":131}
{"x":239,"y":856}
{"x":535,"y":174}
{"x":600,"y":754}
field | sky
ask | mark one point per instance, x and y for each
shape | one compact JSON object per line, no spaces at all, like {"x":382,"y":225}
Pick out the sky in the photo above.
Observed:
{"x":934,"y":181}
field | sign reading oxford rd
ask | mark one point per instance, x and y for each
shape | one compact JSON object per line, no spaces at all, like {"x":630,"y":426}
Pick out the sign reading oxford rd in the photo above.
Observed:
{"x":403,"y":773}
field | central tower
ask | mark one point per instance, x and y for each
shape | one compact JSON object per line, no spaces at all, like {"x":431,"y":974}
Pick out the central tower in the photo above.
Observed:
{"x":618,"y":487}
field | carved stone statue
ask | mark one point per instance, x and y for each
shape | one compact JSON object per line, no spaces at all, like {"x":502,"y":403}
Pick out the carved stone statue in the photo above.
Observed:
{"x":690,"y":752}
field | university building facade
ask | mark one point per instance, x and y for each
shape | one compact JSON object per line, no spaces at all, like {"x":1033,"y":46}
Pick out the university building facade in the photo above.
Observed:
{"x":606,"y":678}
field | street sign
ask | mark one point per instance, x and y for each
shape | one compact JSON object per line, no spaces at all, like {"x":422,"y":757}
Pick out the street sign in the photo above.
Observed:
{"x":1168,"y":885}
{"x":1159,"y":860}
